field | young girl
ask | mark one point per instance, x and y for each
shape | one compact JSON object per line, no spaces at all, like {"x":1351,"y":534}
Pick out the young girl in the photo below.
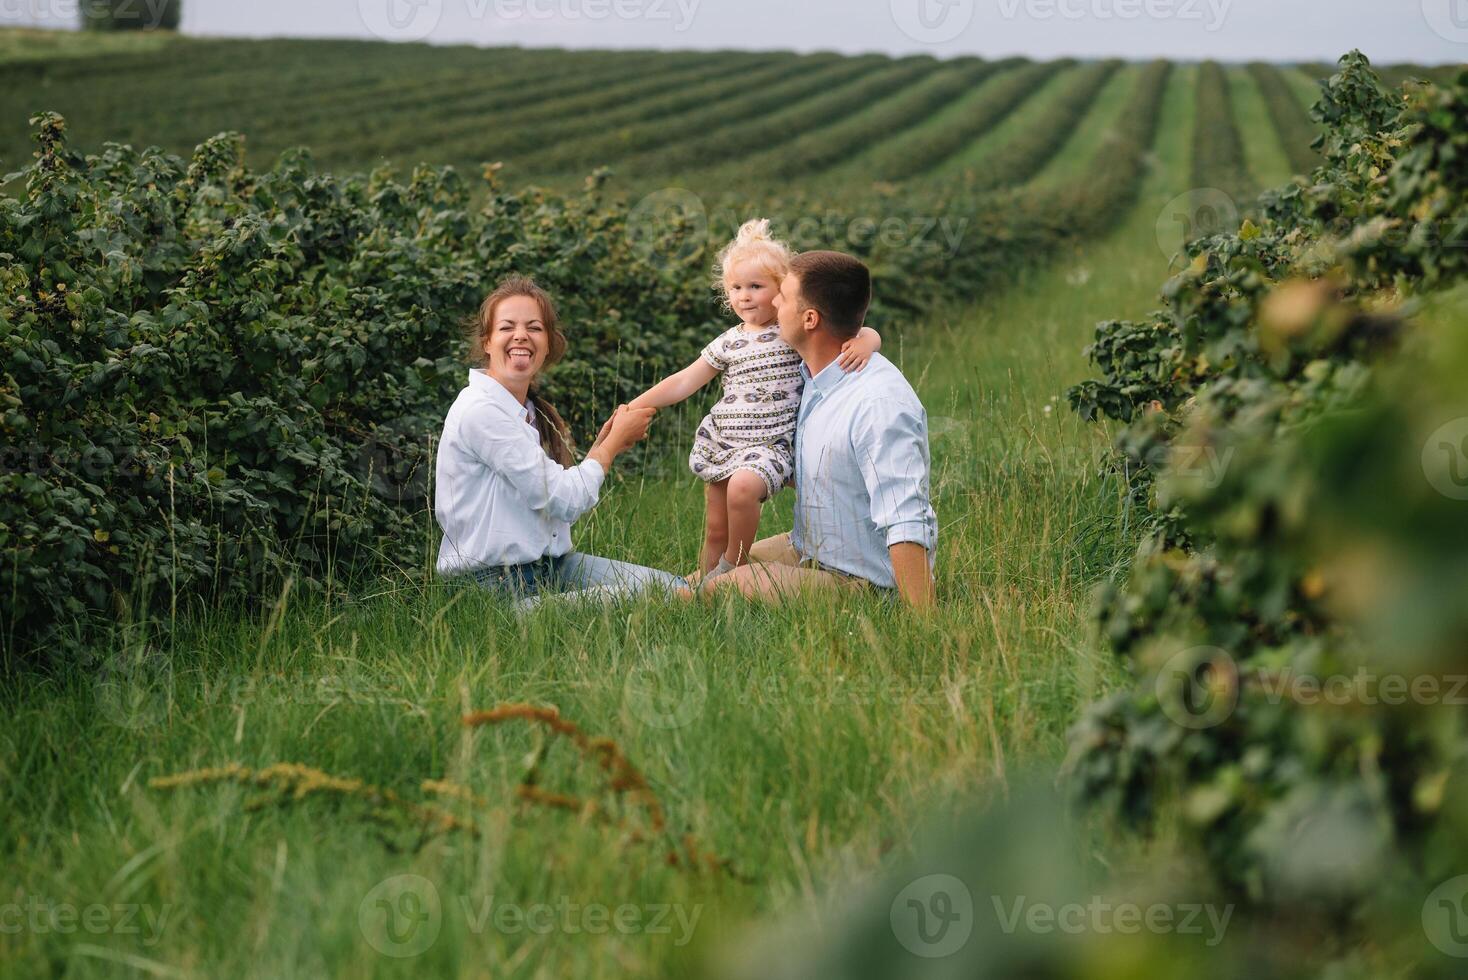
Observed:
{"x":744,"y":447}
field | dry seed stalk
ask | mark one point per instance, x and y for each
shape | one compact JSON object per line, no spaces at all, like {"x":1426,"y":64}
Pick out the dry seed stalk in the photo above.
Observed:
{"x":623,"y":777}
{"x":290,"y":779}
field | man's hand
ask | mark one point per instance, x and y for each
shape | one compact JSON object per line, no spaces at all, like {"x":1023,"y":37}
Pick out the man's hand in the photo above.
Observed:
{"x":914,"y":577}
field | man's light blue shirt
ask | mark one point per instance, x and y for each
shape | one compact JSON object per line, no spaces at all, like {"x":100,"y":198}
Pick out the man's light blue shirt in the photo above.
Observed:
{"x":861,"y":470}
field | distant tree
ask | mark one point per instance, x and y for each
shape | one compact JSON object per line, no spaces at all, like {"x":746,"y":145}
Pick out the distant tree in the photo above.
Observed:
{"x":131,"y":15}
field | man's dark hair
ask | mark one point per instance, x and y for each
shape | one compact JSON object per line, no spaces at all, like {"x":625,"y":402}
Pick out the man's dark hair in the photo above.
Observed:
{"x":838,"y":286}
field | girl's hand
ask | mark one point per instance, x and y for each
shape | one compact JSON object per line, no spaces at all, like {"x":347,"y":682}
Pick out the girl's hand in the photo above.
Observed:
{"x":855,"y":353}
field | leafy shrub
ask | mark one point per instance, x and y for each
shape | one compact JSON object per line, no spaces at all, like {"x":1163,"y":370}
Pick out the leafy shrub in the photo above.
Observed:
{"x":1275,"y":416}
{"x":216,"y":378}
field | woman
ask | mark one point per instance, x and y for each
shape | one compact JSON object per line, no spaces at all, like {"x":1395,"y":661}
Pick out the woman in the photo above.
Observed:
{"x":508,"y":488}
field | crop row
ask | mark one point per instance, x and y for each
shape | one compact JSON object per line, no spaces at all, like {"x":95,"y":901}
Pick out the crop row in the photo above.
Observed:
{"x":486,"y":120}
{"x":1293,"y":124}
{"x":398,"y":91}
{"x":580,"y":144}
{"x":180,"y":110}
{"x":1218,"y":152}
{"x":937,"y":140}
{"x":889,"y":118}
{"x":1046,"y":131}
{"x":738,"y":140}
{"x":736,"y":101}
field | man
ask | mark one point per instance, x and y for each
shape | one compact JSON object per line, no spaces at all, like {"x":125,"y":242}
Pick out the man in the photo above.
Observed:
{"x":863,"y":511}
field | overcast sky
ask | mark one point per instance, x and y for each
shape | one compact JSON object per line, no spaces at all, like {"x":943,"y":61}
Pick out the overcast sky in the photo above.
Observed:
{"x":1423,"y":31}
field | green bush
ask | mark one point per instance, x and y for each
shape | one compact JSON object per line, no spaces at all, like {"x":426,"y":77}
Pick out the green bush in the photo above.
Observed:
{"x":1276,"y":415}
{"x":215,"y":378}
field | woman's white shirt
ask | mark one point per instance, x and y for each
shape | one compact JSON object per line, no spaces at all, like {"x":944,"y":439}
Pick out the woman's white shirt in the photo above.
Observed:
{"x":498,"y":497}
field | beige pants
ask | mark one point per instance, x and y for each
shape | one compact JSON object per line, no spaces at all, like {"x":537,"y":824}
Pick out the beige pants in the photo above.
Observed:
{"x":778,"y":551}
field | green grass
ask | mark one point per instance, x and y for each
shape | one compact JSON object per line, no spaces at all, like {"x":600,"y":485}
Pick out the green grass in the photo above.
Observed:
{"x":817,"y":734}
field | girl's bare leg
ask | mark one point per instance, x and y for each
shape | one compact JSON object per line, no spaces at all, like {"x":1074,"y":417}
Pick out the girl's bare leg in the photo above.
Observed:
{"x":746,"y":491}
{"x":716,"y":530}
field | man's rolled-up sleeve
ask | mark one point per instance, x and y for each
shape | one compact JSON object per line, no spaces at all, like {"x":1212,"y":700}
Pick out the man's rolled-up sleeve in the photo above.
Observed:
{"x":891,"y":444}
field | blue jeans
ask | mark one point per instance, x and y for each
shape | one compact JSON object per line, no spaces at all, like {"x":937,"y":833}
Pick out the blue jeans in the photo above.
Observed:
{"x":573,"y":572}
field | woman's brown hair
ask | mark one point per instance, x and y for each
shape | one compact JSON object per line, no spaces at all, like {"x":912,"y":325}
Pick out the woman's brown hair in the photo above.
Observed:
{"x":555,"y":435}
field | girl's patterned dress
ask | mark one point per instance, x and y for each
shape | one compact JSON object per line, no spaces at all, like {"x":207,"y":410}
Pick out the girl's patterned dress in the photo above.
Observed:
{"x":752,"y":427}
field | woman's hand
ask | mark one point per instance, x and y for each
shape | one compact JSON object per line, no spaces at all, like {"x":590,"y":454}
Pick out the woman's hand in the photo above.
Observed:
{"x":606,"y":429}
{"x":625,"y":429}
{"x":629,"y":426}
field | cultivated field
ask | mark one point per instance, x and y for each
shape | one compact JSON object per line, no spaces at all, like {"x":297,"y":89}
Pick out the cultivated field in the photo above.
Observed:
{"x":791,"y":751}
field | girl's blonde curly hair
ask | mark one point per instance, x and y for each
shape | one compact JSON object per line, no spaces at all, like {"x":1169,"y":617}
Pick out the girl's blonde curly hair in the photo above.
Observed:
{"x":754,"y":243}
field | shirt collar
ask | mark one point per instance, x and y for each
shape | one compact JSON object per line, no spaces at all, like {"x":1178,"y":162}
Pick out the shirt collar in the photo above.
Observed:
{"x":480,"y":380}
{"x":829,"y":377}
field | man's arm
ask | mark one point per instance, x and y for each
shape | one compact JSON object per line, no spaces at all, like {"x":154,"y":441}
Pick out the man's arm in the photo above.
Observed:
{"x":890,"y":442}
{"x":914,"y":578}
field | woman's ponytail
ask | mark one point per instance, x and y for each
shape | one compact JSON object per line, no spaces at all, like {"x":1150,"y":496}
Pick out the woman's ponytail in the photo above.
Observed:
{"x":555,"y":435}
